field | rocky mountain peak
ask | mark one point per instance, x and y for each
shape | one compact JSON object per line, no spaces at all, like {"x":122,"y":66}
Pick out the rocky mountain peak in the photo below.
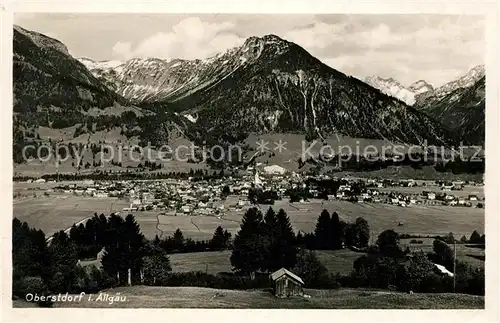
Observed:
{"x":391,"y":87}
{"x":42,"y":40}
{"x":466,"y":81}
{"x":420,"y":86}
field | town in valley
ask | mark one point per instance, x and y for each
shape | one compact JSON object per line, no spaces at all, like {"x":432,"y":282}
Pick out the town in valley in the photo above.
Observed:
{"x":98,"y":220}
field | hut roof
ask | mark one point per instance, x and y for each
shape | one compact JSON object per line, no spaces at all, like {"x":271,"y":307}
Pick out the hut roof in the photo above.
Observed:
{"x":282,"y":272}
{"x":443,"y":270}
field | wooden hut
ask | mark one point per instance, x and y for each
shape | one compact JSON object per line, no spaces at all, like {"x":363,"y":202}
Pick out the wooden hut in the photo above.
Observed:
{"x":286,"y":283}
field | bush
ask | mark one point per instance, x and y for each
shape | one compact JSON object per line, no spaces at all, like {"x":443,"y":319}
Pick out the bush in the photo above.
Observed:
{"x":434,"y":283}
{"x":310,"y":268}
{"x":35,"y":286}
{"x":469,"y":280}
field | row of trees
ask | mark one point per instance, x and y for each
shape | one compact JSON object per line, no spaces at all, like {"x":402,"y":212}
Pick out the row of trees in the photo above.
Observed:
{"x":264,"y":243}
{"x":177,"y":243}
{"x":267,"y":243}
{"x":331,"y":233}
{"x":125,"y":175}
{"x":40,"y":268}
{"x":101,"y":231}
{"x":51,"y":266}
{"x":259,"y":196}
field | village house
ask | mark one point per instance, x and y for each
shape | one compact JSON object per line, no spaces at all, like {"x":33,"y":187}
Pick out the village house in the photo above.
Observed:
{"x":286,"y":283}
{"x":147,"y":198}
{"x":449,"y":197}
{"x":101,"y":195}
{"x":447,"y":188}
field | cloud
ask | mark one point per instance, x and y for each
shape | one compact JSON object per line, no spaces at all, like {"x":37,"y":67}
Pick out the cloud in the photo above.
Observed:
{"x":122,"y":49}
{"x":317,"y":35}
{"x":191,"y":38}
{"x":406,"y":47}
{"x":437,"y":49}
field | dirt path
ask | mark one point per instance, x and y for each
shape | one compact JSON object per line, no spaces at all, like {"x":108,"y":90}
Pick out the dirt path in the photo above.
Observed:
{"x":158,"y":225}
{"x":195,"y":224}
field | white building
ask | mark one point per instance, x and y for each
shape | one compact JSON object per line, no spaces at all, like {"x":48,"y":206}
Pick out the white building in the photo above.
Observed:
{"x":274,"y":169}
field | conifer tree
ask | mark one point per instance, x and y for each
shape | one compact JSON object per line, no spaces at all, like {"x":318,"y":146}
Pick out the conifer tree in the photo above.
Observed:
{"x":250,"y":244}
{"x":337,"y":234}
{"x":323,"y":231}
{"x":286,"y":248}
{"x":220,"y":239}
{"x":64,"y":260}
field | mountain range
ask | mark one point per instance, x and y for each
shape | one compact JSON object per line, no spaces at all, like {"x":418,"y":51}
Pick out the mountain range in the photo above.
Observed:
{"x":267,"y":85}
{"x":458,"y":104}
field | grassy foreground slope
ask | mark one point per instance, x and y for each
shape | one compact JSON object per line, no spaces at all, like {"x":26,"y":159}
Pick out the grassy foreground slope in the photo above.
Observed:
{"x":195,"y":297}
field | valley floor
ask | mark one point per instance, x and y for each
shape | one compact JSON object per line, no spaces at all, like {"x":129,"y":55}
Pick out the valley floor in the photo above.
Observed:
{"x":195,"y":297}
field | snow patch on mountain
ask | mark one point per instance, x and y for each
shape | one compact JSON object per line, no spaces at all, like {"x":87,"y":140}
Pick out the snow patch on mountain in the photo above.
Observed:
{"x":393,"y":88}
{"x":98,"y":65}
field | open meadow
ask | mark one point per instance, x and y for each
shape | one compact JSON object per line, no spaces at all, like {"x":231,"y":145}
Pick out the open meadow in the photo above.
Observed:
{"x":417,"y":219}
{"x":214,"y":262}
{"x":197,"y":297}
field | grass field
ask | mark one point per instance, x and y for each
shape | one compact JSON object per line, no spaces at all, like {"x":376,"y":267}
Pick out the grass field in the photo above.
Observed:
{"x":416,"y":219}
{"x":59,"y":212}
{"x":54,"y":213}
{"x":214,"y":262}
{"x":336,"y":261}
{"x":195,"y":297}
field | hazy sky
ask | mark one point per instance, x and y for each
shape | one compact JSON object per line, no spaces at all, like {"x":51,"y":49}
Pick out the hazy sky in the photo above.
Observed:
{"x":435,"y":48}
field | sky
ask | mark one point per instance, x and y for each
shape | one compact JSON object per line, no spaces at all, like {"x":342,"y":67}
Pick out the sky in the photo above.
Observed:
{"x":406,"y":47}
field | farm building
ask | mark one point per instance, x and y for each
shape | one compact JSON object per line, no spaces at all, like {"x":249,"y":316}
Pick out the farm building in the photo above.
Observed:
{"x":286,"y":283}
